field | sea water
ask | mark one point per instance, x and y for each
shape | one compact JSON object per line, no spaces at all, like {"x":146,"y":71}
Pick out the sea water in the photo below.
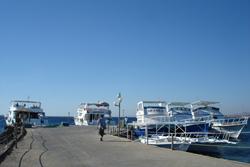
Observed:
{"x":58,"y":120}
{"x":2,"y":123}
{"x":236,"y":152}
{"x":240,"y":151}
{"x":55,"y":120}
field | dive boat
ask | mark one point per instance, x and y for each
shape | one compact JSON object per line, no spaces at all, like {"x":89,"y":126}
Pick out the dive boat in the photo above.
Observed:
{"x":27,"y":112}
{"x":167,"y":116}
{"x":89,"y":113}
{"x":227,"y":126}
{"x":161,"y":117}
{"x":175,"y":143}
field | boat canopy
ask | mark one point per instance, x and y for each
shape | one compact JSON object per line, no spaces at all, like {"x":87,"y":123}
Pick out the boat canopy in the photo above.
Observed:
{"x":26,"y":104}
{"x":104,"y":104}
{"x":181,"y":104}
{"x":25,"y":101}
{"x":153,"y":103}
{"x":204,"y":103}
{"x":100,"y":104}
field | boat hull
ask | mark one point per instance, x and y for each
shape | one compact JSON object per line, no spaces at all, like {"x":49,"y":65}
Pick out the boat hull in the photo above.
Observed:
{"x":232,"y":131}
{"x":166,"y":142}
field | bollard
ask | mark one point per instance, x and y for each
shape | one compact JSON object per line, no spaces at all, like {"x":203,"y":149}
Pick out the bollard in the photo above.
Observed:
{"x":127,"y":133}
{"x":15,"y":135}
{"x":132,"y":134}
{"x":146,"y":133}
{"x":172,"y":145}
{"x":108,"y":128}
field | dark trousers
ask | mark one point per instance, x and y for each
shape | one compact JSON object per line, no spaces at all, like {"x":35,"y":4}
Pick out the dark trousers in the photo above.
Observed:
{"x":101,"y":131}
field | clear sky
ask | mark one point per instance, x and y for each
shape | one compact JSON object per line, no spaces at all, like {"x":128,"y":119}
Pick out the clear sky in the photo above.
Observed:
{"x":63,"y":52}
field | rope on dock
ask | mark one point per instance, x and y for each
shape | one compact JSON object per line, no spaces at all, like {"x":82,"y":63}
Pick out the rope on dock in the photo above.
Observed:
{"x":46,"y":149}
{"x":30,"y":148}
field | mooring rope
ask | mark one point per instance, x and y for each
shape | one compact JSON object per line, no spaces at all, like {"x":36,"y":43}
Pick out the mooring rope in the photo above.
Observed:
{"x":30,"y":148}
{"x":46,"y":149}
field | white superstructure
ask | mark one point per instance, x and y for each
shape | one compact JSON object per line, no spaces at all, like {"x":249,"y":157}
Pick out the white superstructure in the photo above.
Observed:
{"x":28,"y":112}
{"x":179,"y":111}
{"x":150,"y":109}
{"x":89,"y":113}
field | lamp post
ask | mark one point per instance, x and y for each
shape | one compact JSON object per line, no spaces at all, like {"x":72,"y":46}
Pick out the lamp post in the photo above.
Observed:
{"x":118,"y":104}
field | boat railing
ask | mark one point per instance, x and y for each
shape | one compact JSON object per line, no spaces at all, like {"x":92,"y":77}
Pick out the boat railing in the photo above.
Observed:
{"x":203,"y":118}
{"x":197,"y":119}
{"x":224,"y":121}
{"x":231,"y":121}
{"x":167,"y":120}
{"x":26,"y":107}
{"x":9,"y":138}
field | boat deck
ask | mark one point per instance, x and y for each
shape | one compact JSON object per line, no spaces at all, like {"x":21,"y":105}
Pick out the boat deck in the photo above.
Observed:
{"x":80,"y":146}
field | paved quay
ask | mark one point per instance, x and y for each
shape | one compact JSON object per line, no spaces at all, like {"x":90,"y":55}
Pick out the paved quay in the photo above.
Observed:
{"x":80,"y":146}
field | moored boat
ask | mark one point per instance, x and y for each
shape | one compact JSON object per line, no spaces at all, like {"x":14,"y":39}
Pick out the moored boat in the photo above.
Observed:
{"x":230,"y":127}
{"x":89,"y":113}
{"x":174,"y":117}
{"x":26,"y":112}
{"x":175,"y":143}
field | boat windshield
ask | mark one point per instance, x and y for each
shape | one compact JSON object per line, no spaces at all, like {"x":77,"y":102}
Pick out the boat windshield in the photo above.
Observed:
{"x":207,"y":111}
{"x":151,"y":104}
{"x":181,"y":113}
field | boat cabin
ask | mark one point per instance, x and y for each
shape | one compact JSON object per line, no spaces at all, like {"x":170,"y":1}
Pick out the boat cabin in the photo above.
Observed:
{"x":150,"y":109}
{"x":89,"y":113}
{"x":27,"y":112}
{"x":206,"y":109}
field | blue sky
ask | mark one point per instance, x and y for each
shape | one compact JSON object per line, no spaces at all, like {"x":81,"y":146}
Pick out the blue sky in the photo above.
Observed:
{"x":64,"y":52}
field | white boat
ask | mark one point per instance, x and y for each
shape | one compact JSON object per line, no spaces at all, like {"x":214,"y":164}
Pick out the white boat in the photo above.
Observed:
{"x":150,"y":109}
{"x":28,"y":112}
{"x":207,"y":140}
{"x":175,"y":143}
{"x":162,"y":115}
{"x":89,"y":113}
{"x":206,"y":110}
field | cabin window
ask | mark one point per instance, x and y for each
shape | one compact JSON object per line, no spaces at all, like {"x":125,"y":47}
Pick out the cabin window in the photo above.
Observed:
{"x":140,"y":106}
{"x":87,"y":117}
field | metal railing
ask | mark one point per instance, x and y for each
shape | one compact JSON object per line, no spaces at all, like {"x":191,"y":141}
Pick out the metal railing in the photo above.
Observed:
{"x":9,"y":138}
{"x":231,"y":121}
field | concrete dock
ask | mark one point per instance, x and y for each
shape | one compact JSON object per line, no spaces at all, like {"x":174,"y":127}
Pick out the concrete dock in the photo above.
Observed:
{"x":80,"y":146}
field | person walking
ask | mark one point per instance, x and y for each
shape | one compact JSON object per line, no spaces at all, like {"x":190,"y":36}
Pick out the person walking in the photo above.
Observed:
{"x":102,"y":126}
